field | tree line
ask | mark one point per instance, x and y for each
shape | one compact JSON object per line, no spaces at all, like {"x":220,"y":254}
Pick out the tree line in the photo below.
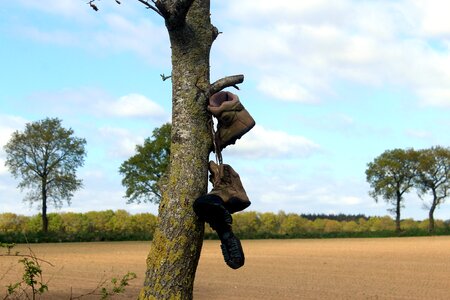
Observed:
{"x":120,"y":225}
{"x":45,"y":157}
{"x":397,"y":172}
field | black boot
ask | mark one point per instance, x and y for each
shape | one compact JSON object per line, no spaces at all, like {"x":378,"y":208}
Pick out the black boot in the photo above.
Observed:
{"x":211,"y":209}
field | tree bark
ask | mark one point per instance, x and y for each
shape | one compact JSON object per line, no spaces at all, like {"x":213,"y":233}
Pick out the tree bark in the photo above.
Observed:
{"x":44,"y":205}
{"x":177,"y":242}
{"x":397,"y":213}
{"x":431,"y":217}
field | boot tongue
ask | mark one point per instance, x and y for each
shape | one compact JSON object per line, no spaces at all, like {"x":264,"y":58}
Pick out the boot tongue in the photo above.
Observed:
{"x":226,"y":175}
{"x":215,"y":175}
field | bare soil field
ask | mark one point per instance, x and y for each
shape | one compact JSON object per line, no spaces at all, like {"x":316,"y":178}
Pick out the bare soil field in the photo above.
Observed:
{"x":390,"y":268}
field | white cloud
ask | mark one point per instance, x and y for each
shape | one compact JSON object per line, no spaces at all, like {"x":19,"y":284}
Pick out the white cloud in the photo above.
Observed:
{"x":264,"y":143}
{"x":121,"y":143}
{"x":133,"y":105}
{"x":8,"y":124}
{"x":97,"y":102}
{"x":302,"y":192}
{"x":434,"y":19}
{"x":140,"y":36}
{"x":317,"y":44}
{"x":285,"y":10}
{"x":69,"y":101}
{"x":435,"y":96}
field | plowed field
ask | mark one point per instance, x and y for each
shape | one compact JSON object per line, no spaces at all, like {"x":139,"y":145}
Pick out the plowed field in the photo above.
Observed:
{"x":393,"y":268}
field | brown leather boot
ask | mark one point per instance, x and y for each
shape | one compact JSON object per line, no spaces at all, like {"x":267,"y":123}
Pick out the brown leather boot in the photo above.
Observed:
{"x":228,"y":186}
{"x":210,"y":208}
{"x":234,"y":119}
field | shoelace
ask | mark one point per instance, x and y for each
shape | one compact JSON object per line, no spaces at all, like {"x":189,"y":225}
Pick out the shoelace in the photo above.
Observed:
{"x":217,"y":152}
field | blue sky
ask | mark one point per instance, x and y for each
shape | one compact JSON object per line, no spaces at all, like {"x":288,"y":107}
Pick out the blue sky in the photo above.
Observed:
{"x":331,"y":86}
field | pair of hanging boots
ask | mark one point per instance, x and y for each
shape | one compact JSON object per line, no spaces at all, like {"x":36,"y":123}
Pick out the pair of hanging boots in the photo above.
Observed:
{"x":227,"y":196}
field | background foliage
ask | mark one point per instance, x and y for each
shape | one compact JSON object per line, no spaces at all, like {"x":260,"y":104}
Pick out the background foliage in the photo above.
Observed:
{"x":120,"y":225}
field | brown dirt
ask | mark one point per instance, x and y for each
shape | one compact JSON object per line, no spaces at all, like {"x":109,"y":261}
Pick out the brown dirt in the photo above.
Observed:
{"x":393,"y":268}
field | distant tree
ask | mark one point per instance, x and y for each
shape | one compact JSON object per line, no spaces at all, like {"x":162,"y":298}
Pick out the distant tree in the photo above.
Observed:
{"x":332,"y":226}
{"x":409,"y":224}
{"x":293,"y":224}
{"x":74,"y":223}
{"x":246,"y":224}
{"x":350,"y":226}
{"x":270,"y":223}
{"x":434,"y":178}
{"x":363,"y":224}
{"x":382,"y":224}
{"x":390,"y":176}
{"x":318,"y":225}
{"x":339,"y":217}
{"x":46,"y":155}
{"x":145,"y":222}
{"x":10,"y":222}
{"x":146,"y":171}
{"x":100,"y":221}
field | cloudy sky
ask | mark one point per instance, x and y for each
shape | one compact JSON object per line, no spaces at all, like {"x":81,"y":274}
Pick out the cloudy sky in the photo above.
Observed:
{"x":331,"y":85}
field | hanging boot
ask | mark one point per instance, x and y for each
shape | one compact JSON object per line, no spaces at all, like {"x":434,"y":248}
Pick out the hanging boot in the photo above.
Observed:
{"x":228,"y":186}
{"x":210,"y":209}
{"x":234,"y":119}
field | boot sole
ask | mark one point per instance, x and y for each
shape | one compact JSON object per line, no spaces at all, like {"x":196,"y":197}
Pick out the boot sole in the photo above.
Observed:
{"x":232,"y":251}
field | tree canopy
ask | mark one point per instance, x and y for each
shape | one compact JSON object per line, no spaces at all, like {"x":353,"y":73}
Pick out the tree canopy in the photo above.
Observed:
{"x":46,"y":156}
{"x":146,"y":171}
{"x":391,"y":175}
{"x":433,"y":178}
{"x":396,"y":172}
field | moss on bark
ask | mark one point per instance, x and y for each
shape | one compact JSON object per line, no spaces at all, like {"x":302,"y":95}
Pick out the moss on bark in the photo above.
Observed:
{"x":176,"y":247}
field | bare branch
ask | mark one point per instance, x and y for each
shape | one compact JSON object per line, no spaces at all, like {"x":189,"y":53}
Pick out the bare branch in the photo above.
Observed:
{"x":164,"y":77}
{"x":32,"y":256}
{"x":226,"y":82}
{"x":148,"y":5}
{"x":215,"y":33}
{"x":91,"y":4}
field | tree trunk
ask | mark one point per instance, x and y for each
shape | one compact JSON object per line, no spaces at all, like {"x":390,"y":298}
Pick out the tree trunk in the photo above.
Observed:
{"x":431,"y":217}
{"x":177,"y":242}
{"x":44,"y":205}
{"x":397,"y":213}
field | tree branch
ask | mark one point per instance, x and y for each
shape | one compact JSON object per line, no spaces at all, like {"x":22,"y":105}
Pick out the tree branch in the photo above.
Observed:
{"x":91,"y":4}
{"x":215,"y":33}
{"x":226,"y":82}
{"x":173,"y":11}
{"x":164,"y":77}
{"x":148,"y":5}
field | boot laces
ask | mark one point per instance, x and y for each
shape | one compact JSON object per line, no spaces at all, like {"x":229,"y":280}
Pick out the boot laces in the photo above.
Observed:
{"x":217,"y":152}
